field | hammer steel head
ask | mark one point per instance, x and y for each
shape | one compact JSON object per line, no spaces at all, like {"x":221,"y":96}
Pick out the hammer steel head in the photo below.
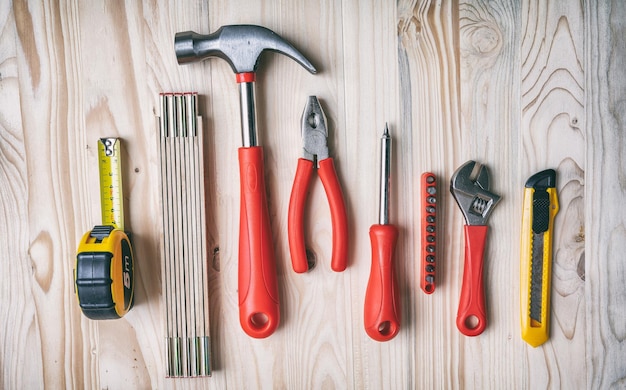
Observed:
{"x":240,"y":45}
{"x":470,"y":189}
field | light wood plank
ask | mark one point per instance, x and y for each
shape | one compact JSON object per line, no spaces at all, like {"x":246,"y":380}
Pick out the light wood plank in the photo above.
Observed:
{"x":431,"y":140}
{"x":371,"y":79}
{"x":604,"y":233}
{"x":20,"y":344}
{"x":552,"y":110}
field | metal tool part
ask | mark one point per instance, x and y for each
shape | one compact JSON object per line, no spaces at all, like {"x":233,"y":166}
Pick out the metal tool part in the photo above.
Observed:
{"x":241,"y":46}
{"x":382,"y":301}
{"x":470,"y":188}
{"x":385,"y":177}
{"x":428,"y":194}
{"x":314,"y":131}
{"x":315,"y":153}
{"x":539,"y":210}
{"x":184,"y":258}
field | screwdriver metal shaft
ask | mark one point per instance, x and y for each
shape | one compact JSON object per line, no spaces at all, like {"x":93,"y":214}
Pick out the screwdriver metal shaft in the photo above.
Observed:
{"x":385,"y":177}
{"x":382,"y":303}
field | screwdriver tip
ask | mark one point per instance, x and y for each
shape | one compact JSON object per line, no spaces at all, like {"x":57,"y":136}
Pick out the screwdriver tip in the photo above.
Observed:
{"x":386,"y":132}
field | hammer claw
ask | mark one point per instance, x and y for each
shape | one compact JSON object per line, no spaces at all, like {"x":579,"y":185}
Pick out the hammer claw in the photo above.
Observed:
{"x":240,"y":45}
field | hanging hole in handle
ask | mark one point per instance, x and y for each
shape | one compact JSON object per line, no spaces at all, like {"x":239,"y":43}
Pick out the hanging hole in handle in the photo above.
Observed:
{"x":472,"y":322}
{"x":259,"y":320}
{"x":385,"y":328}
{"x":429,"y":288}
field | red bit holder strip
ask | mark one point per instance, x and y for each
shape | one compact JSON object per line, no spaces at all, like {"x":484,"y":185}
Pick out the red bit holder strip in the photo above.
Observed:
{"x":428,"y":195}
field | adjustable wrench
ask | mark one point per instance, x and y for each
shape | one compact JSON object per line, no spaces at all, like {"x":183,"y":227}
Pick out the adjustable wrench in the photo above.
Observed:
{"x":470,"y":187}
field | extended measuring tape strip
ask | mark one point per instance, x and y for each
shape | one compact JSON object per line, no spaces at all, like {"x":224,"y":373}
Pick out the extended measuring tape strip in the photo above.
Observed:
{"x":111,"y":195}
{"x":103,"y":275}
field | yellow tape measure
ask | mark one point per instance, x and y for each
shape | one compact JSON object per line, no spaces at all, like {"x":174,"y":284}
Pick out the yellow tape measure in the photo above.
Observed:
{"x":103,"y":275}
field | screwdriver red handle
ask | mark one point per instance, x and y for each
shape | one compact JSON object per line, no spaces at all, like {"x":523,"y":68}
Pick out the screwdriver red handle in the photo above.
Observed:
{"x":382,"y":303}
{"x":259,"y":312}
{"x":471,"y":318}
{"x":295,"y":224}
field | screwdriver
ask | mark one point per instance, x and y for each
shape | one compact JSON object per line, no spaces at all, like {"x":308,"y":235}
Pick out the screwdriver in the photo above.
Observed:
{"x":382,"y":303}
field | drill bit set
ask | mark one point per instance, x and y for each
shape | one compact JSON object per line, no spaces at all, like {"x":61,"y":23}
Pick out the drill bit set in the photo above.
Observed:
{"x":184,"y":266}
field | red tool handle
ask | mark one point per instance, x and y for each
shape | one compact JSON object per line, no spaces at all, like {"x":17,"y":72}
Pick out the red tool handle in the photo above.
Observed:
{"x":259,"y":312}
{"x":295,"y":216}
{"x":471,"y":319}
{"x":382,"y":302}
{"x":339,"y":220}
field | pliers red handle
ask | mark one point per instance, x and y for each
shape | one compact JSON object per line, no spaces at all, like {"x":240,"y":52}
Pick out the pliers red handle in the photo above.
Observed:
{"x":315,"y":149}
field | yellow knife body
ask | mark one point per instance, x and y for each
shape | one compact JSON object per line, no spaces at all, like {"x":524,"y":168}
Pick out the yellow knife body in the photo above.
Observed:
{"x":536,"y":256}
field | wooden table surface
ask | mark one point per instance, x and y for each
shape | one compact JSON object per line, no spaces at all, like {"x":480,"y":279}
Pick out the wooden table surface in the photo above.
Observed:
{"x":518,"y":85}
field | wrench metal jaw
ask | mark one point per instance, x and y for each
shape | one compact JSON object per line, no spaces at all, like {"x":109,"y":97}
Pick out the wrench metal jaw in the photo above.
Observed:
{"x":470,"y":187}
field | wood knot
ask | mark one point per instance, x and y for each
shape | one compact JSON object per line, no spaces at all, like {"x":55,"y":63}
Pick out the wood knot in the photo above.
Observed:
{"x":311,"y":259}
{"x":481,"y":39}
{"x":481,"y":42}
{"x":580,"y":267}
{"x":409,"y":29}
{"x":216,"y":259}
{"x":40,"y":252}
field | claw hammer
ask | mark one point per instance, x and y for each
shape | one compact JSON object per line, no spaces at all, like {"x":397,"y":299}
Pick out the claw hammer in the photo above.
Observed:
{"x":241,"y":46}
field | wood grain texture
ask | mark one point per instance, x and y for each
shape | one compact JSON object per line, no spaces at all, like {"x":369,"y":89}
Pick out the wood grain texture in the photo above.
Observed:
{"x":552,"y":110}
{"x":520,"y":86}
{"x":605,"y":294}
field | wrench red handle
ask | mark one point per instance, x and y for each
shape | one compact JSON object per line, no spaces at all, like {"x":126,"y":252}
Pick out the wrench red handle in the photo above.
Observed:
{"x":259,"y":312}
{"x":471,"y":318}
{"x":382,"y":302}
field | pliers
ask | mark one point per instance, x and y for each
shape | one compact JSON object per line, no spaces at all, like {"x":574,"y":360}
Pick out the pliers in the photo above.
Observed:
{"x":315,"y":152}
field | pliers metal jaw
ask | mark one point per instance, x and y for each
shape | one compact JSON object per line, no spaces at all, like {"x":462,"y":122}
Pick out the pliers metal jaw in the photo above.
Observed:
{"x":315,"y":153}
{"x":314,"y":131}
{"x":470,"y":187}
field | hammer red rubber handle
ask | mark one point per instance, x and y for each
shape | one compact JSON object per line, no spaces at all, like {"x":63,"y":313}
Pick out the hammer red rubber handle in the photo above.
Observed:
{"x":382,"y":302}
{"x":471,"y":319}
{"x":259,"y":311}
{"x":339,"y":220}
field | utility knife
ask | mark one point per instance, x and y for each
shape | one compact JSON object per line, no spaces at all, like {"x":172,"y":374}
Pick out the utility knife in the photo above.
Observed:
{"x":540,"y":207}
